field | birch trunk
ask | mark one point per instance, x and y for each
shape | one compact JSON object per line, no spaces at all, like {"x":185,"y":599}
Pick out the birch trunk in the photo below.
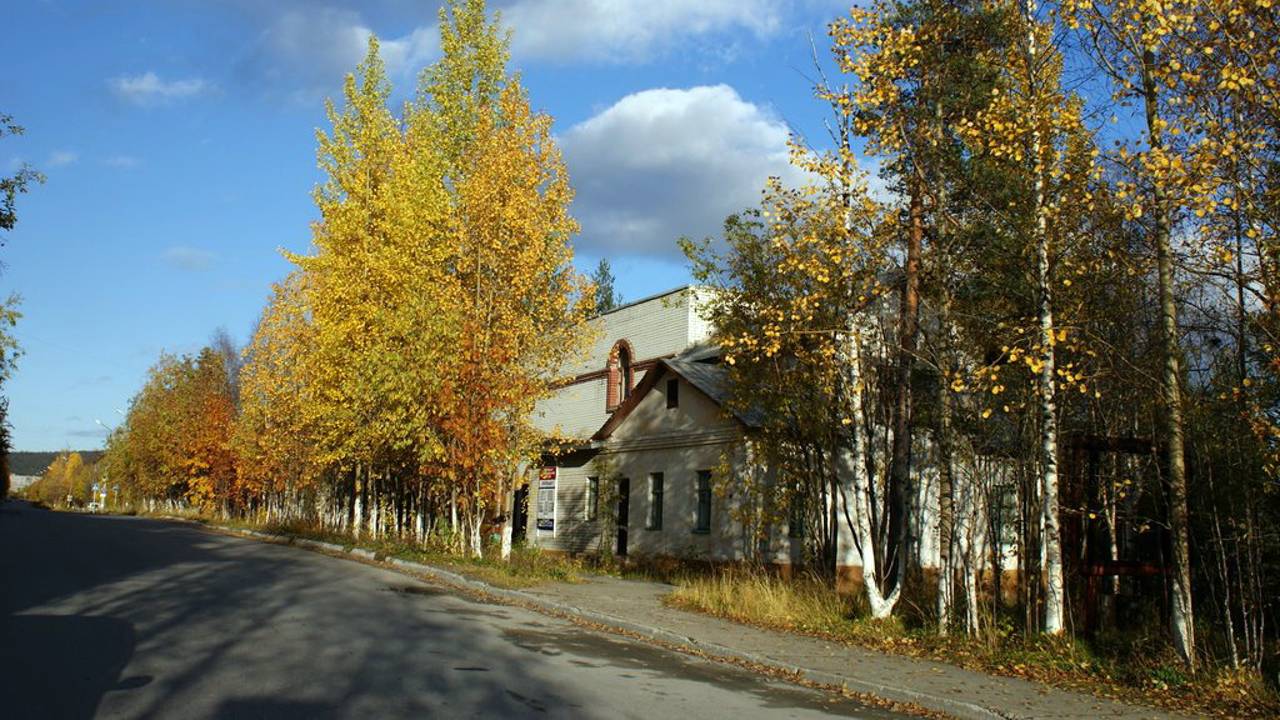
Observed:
{"x":946,"y":487}
{"x":857,"y":511}
{"x":1050,"y":538}
{"x":506,"y":524}
{"x":1182,"y":615}
{"x":357,"y":518}
{"x":477,"y":541}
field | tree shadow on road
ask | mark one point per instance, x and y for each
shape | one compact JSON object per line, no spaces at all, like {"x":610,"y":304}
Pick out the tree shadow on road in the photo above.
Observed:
{"x":60,"y":666}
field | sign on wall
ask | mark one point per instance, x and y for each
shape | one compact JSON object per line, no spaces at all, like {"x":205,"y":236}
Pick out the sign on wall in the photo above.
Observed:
{"x":546,"y":515}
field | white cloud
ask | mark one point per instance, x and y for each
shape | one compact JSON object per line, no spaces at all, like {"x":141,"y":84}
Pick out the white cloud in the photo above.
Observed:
{"x":310,"y":46}
{"x":149,"y":89}
{"x":319,"y":46}
{"x":630,"y":30}
{"x":62,"y":158}
{"x":122,"y":161}
{"x":184,"y":257}
{"x":665,"y":163}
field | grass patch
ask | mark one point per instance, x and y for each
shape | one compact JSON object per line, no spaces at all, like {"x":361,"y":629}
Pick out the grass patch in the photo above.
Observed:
{"x":1134,"y":667}
{"x":527,"y":566}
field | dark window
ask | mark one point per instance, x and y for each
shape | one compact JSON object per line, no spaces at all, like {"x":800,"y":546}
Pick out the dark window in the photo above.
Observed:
{"x":673,"y":393}
{"x":624,"y":376}
{"x":655,"y":501}
{"x":702,"y":523}
{"x":620,"y":376}
{"x":593,"y":498}
{"x":795,"y":518}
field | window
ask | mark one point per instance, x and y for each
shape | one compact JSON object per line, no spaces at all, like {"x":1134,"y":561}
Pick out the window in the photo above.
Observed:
{"x":625,"y":371}
{"x":620,"y":375}
{"x":655,"y":501}
{"x":593,"y":498}
{"x":702,"y":521}
{"x":673,"y":393}
{"x":795,"y":518}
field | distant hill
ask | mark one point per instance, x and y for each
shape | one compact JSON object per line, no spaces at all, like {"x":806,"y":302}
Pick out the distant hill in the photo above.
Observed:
{"x":35,"y":463}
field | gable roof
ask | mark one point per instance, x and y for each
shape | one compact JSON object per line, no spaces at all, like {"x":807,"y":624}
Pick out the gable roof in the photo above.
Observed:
{"x":711,"y":379}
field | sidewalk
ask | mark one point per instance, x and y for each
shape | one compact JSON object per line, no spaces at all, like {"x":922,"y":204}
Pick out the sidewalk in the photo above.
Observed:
{"x":933,"y":685}
{"x":636,"y":607}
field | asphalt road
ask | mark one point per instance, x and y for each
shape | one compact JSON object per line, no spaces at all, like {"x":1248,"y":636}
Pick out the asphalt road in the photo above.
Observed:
{"x":128,"y":618}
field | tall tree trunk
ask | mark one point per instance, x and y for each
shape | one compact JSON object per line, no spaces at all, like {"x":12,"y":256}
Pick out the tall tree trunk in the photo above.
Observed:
{"x":1051,"y":538}
{"x":1183,"y":619}
{"x":357,"y":519}
{"x":946,"y":486}
{"x":507,"y":502}
{"x":857,"y":505}
{"x":899,"y":491}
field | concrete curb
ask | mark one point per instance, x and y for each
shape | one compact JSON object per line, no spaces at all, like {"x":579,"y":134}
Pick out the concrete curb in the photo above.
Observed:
{"x":950,"y":706}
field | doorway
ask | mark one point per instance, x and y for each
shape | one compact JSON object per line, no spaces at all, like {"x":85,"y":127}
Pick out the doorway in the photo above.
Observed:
{"x":624,"y":510}
{"x":520,"y":513}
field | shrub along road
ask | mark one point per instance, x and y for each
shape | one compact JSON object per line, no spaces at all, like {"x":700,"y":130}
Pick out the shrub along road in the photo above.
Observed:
{"x":128,"y":617}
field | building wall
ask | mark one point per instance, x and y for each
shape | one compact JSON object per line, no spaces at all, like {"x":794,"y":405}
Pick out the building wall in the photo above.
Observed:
{"x":677,"y":442}
{"x":656,"y":327}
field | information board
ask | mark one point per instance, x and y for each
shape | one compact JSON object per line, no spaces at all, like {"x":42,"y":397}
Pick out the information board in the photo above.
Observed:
{"x":546,"y":516}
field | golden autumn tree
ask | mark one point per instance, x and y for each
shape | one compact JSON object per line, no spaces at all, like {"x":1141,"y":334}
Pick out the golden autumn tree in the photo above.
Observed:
{"x":173,"y":449}
{"x":519,"y":306}
{"x":208,"y":417}
{"x":378,"y":292}
{"x":1032,"y":130}
{"x":1222,"y":78}
{"x":275,"y":456}
{"x":913,"y":71}
{"x":795,"y":289}
{"x":1136,"y":42}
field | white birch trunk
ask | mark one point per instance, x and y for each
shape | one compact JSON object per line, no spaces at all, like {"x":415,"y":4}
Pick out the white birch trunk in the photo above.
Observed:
{"x":858,"y":513}
{"x":477,"y":541}
{"x":507,"y":507}
{"x":1051,"y":543}
{"x":357,"y":522}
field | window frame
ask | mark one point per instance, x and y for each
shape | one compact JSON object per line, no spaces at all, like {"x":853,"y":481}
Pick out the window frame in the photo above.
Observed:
{"x":592,"y":504}
{"x":702,"y":503}
{"x":653,"y":520}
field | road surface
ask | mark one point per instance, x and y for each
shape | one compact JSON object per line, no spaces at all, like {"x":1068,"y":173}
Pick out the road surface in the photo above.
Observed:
{"x":117,"y":617}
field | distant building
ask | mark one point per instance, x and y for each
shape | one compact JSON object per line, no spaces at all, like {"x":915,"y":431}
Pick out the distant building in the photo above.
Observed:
{"x":19,"y":482}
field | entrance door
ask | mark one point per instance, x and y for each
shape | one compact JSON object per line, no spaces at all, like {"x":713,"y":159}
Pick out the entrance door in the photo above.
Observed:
{"x":520,"y":513}
{"x":624,"y":509}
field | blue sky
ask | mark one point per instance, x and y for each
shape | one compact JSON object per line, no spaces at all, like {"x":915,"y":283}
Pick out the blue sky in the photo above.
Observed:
{"x":179,"y":143}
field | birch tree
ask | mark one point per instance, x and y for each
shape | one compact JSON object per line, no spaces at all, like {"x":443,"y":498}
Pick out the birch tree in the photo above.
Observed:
{"x":521,"y":306}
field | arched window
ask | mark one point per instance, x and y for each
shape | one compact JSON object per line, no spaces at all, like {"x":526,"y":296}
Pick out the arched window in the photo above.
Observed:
{"x":621,"y":375}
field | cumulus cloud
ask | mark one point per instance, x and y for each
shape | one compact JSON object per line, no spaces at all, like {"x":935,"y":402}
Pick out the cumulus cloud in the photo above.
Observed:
{"x":308,"y":47}
{"x":665,"y":163}
{"x":316,"y":47}
{"x":149,"y":89}
{"x":62,"y":158}
{"x":184,"y":257}
{"x":629,"y":30}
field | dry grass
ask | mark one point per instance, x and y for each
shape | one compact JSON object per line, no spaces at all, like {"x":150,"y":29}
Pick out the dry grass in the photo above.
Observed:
{"x":527,"y":566}
{"x":804,"y":604}
{"x":1138,"y":668}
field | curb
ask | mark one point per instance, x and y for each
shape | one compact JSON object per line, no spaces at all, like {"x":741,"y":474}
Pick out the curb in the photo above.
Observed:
{"x":950,"y":706}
